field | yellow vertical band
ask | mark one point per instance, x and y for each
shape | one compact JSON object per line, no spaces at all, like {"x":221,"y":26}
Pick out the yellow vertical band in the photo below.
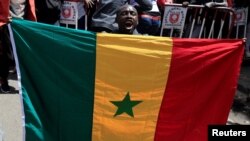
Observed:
{"x":135,"y":65}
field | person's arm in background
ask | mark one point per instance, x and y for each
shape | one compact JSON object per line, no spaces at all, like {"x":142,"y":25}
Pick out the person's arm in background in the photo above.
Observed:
{"x":213,"y":4}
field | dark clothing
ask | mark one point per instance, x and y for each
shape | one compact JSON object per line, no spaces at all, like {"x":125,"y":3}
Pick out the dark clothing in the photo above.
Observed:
{"x":104,"y":16}
{"x":198,"y":2}
{"x":4,"y":50}
{"x":242,"y":3}
{"x":149,"y":23}
{"x":48,"y":11}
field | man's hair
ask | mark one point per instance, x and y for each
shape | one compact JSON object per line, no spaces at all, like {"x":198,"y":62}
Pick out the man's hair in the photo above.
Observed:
{"x":122,"y":7}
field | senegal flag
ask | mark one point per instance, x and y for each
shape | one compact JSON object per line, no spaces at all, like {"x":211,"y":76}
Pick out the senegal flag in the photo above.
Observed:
{"x":83,"y":86}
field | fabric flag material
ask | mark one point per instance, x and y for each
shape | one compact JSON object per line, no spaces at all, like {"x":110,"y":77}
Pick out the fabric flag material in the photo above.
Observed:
{"x":80,"y":86}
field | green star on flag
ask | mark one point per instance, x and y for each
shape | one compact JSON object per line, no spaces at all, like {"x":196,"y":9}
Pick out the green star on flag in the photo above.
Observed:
{"x":125,"y":106}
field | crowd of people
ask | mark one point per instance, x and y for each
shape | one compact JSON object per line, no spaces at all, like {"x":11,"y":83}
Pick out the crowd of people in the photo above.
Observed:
{"x":111,"y":16}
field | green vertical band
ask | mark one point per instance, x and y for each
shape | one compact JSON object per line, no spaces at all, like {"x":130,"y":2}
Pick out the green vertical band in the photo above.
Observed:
{"x":57,"y":79}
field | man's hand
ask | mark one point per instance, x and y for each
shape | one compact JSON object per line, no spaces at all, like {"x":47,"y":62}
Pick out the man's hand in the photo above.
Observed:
{"x":210,"y":4}
{"x":9,"y":19}
{"x":88,"y":3}
{"x":185,"y":4}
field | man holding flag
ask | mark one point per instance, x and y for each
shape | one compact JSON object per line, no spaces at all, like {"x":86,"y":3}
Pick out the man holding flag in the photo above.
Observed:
{"x":82,"y":85}
{"x":17,"y":9}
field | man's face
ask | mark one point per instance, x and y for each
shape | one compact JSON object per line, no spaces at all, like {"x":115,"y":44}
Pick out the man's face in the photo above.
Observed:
{"x":127,"y":19}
